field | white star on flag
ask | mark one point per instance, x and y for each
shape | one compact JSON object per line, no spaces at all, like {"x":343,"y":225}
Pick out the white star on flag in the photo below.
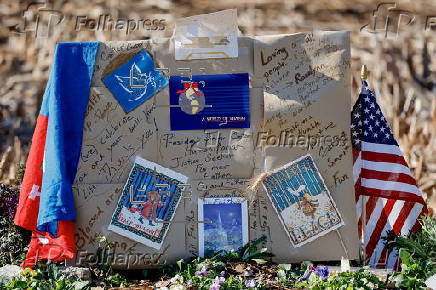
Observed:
{"x":43,"y":240}
{"x":34,"y":192}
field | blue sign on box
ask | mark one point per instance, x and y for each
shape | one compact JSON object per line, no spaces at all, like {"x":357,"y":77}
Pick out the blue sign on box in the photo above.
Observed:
{"x":210,"y":102}
{"x":135,"y":81}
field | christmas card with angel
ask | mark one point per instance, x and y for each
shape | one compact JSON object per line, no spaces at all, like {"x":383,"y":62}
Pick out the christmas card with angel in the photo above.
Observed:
{"x":302,"y":201}
{"x":148,"y":203}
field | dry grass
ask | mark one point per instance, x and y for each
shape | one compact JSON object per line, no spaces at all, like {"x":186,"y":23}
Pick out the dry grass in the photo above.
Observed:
{"x":402,"y":68}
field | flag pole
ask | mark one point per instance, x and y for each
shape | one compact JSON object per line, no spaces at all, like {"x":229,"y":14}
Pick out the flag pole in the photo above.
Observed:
{"x":363,"y":77}
{"x":364,"y":73}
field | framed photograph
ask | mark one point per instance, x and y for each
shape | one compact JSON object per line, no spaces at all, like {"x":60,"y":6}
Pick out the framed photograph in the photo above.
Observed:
{"x":302,"y":201}
{"x":226,"y":227}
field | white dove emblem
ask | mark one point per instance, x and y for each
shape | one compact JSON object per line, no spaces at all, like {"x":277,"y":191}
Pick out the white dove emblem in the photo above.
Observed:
{"x":296,"y":192}
{"x":136,"y":84}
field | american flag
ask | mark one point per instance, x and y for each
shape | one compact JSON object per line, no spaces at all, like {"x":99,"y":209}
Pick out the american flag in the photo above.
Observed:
{"x":387,"y":196}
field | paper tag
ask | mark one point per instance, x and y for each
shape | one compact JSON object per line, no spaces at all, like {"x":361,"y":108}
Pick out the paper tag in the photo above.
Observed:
{"x":345,"y":265}
{"x":205,"y":36}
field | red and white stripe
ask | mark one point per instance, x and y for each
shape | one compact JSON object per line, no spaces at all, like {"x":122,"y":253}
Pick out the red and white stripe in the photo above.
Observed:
{"x":387,"y":198}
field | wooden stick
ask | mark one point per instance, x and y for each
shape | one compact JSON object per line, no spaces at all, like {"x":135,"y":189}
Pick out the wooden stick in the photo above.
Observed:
{"x":343,"y":244}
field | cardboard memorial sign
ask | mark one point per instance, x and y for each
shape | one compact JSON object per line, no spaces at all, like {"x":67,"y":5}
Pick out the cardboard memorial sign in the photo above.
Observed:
{"x":225,"y":226}
{"x":302,"y":201}
{"x":297,"y":84}
{"x":148,"y":202}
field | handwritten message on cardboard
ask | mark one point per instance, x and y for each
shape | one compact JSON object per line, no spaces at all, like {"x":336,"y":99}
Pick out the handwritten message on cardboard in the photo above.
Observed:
{"x":299,"y":95}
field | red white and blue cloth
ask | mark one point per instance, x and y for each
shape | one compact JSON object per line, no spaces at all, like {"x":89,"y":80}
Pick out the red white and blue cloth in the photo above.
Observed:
{"x":387,"y":196}
{"x":46,"y":205}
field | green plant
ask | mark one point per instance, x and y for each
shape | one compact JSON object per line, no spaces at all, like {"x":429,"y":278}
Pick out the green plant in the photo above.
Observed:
{"x":288,"y":274}
{"x":207,"y":274}
{"x":421,"y":244}
{"x":210,"y":273}
{"x":102,"y":272}
{"x":49,"y":279}
{"x":360,"y":279}
{"x":417,"y":254}
{"x":198,"y":272}
{"x":250,"y":252}
{"x":413,"y":273}
{"x":13,"y":240}
{"x":19,"y":174}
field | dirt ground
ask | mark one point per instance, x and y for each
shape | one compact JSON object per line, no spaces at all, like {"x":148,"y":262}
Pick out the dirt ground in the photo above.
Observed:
{"x":400,"y":56}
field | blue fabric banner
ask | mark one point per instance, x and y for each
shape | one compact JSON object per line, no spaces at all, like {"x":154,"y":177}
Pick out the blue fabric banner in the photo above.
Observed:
{"x":65,"y":101}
